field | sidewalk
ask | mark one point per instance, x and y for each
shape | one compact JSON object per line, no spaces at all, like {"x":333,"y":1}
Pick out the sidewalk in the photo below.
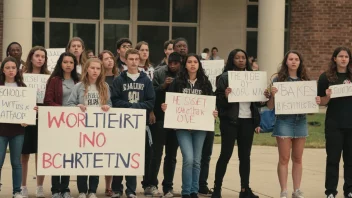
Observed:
{"x":263,"y":175}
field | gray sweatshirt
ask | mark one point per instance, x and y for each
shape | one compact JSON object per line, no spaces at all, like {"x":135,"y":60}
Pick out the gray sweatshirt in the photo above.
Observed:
{"x":92,"y":98}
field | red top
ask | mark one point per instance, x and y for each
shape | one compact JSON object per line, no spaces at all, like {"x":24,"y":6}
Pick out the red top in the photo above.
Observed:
{"x":53,"y":92}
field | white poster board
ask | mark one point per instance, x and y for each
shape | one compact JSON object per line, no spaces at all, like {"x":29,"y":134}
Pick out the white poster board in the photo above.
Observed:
{"x":296,"y":97}
{"x":37,"y":81}
{"x":213,"y":68}
{"x":341,"y":90}
{"x":247,"y":86}
{"x":17,"y":105}
{"x":189,"y":111}
{"x":53,"y":56}
{"x":72,"y":142}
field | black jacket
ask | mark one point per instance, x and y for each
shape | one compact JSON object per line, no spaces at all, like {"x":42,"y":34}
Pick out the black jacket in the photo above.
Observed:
{"x":228,"y":110}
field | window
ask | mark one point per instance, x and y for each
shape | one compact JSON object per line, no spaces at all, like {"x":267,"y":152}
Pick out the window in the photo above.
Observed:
{"x":189,"y":33}
{"x":154,"y":10}
{"x":38,"y":8}
{"x":38,"y":34}
{"x":74,"y":9}
{"x":59,"y":34}
{"x":112,"y":33}
{"x":87,"y":33}
{"x":119,"y":10}
{"x":185,"y":11}
{"x":252,"y":43}
{"x":252,"y":16}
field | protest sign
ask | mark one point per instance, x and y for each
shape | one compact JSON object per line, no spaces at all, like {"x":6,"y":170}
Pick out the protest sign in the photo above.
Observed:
{"x":72,"y":142}
{"x":37,"y":81}
{"x":213,"y":68}
{"x":341,"y":90}
{"x":296,"y":97}
{"x":53,"y":56}
{"x":17,"y":105}
{"x":247,"y":86}
{"x":189,"y":111}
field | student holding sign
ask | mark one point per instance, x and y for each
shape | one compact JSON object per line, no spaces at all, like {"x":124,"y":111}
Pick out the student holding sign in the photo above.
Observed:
{"x":191,"y":80}
{"x":76,"y":46}
{"x":290,"y":130}
{"x":36,"y":64}
{"x":92,"y":91}
{"x":238,"y":120}
{"x":59,"y":88}
{"x":12,"y":134}
{"x":338,"y":125}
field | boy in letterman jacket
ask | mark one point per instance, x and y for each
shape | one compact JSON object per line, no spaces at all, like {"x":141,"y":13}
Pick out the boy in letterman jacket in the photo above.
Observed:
{"x":132,"y":89}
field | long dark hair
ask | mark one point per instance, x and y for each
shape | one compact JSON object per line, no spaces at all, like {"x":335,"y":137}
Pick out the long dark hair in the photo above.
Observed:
{"x":283,"y":74}
{"x":230,"y":64}
{"x":29,"y":65}
{"x":183,"y":77}
{"x":331,"y":72}
{"x":59,"y":72}
{"x":18,"y":77}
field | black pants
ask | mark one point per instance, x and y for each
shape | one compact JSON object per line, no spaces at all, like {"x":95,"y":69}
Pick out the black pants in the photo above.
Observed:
{"x":168,"y":138}
{"x":59,"y":184}
{"x":131,"y":184}
{"x":243,"y":131}
{"x":83,"y":186}
{"x":206,"y":156}
{"x":337,"y":141}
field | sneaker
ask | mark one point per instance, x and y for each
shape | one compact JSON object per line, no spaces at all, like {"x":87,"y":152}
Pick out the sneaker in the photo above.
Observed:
{"x":168,"y":195}
{"x":82,"y":195}
{"x":40,"y":192}
{"x":284,"y":194}
{"x":348,"y":195}
{"x":56,"y":195}
{"x":194,"y":195}
{"x":152,"y":191}
{"x":108,"y":192}
{"x":116,"y":195}
{"x":66,"y":195}
{"x":173,"y":193}
{"x":297,"y":194}
{"x":205,"y":191}
{"x":131,"y":196}
{"x":330,"y":196}
{"x":216,"y":193}
{"x":92,"y":195}
{"x":24,"y":191}
{"x":186,"y":196}
{"x":17,"y":195}
{"x":248,"y":193}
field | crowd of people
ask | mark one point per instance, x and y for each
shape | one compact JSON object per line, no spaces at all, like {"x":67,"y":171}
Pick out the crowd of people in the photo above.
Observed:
{"x":79,"y":73}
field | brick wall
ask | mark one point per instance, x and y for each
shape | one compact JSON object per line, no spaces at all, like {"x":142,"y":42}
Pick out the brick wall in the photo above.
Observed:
{"x":317,"y":27}
{"x":1,"y":25}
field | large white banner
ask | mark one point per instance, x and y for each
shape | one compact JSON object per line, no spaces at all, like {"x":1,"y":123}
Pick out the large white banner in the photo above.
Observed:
{"x":72,"y":142}
{"x":247,"y":86}
{"x":341,"y":90}
{"x":189,"y":111}
{"x":296,"y":97}
{"x":17,"y":105}
{"x":213,"y":68}
{"x":37,"y":81}
{"x":53,"y":56}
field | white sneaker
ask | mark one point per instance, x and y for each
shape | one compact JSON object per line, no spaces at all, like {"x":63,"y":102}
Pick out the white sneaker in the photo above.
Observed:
{"x":56,"y":195}
{"x":24,"y":191}
{"x":40,"y":192}
{"x":283,"y":194}
{"x":66,"y":195}
{"x":131,"y":196}
{"x":331,"y":196}
{"x":116,"y":195}
{"x":92,"y":195}
{"x":17,"y":195}
{"x":168,"y":195}
{"x":297,"y":194}
{"x":82,"y":195}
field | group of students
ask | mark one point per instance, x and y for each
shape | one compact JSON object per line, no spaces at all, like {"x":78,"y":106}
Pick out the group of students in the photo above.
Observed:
{"x":106,"y":79}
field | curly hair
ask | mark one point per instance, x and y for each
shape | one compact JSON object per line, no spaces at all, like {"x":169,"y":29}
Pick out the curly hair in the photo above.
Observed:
{"x":331,"y":72}
{"x":183,"y":77}
{"x":18,"y":76}
{"x":283,"y":74}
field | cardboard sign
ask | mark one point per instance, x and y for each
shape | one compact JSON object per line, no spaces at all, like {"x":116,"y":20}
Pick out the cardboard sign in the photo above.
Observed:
{"x":53,"y":56}
{"x":247,"y":86}
{"x":189,"y":111}
{"x":72,"y":142}
{"x":213,"y":68}
{"x":17,"y":105}
{"x":341,"y":90}
{"x":37,"y":81}
{"x":296,"y":97}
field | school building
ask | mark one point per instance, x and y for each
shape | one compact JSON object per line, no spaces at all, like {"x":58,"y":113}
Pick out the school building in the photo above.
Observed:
{"x":265,"y":28}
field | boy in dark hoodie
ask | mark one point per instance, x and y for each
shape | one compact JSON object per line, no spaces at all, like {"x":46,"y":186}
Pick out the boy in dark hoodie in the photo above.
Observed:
{"x":132,"y":89}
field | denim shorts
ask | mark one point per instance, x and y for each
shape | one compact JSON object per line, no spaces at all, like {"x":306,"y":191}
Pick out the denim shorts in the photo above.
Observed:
{"x":291,"y":126}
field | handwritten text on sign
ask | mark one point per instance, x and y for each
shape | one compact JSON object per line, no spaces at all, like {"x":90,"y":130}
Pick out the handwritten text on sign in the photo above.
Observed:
{"x":296,"y":97}
{"x":72,"y":142}
{"x":17,"y":105}
{"x":189,"y":111}
{"x":37,"y":81}
{"x":213,"y":68}
{"x":53,"y":56}
{"x":247,"y":86}
{"x":341,"y":90}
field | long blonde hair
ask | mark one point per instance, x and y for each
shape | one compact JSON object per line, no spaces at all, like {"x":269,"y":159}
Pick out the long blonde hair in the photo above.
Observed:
{"x":83,"y":57}
{"x":102,"y":87}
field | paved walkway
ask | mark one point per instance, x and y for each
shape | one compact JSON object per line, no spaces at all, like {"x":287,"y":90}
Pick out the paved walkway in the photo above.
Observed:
{"x":263,"y":175}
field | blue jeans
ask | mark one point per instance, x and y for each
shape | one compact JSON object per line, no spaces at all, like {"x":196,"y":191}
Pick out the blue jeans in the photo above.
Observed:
{"x":15,"y":143}
{"x":191,"y":144}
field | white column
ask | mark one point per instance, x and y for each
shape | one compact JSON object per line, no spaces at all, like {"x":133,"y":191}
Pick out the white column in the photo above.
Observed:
{"x":17,"y":25}
{"x":271,"y":34}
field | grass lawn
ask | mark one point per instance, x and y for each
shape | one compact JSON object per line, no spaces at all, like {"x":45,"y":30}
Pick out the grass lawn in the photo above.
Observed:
{"x":316,"y":138}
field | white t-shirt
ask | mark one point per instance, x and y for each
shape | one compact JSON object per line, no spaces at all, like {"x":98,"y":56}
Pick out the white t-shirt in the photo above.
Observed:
{"x":133,"y":76}
{"x":79,"y":69}
{"x":14,"y":84}
{"x":92,"y":99}
{"x":245,"y":110}
{"x":149,"y":72}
